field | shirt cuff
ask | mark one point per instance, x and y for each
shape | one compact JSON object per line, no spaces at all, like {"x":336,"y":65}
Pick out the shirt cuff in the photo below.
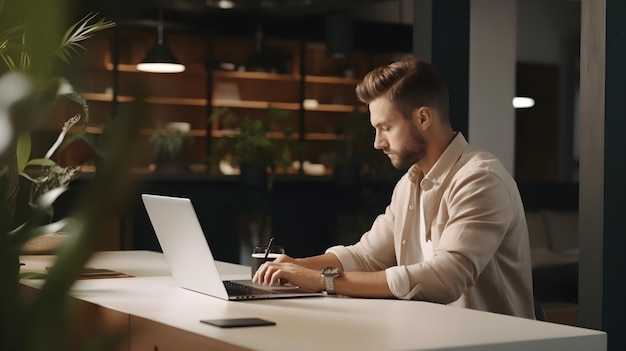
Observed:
{"x":345,"y":257}
{"x":399,"y":283}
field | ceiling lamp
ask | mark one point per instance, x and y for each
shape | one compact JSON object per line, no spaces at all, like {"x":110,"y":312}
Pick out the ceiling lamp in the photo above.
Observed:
{"x":523,"y":102}
{"x":160,"y":59}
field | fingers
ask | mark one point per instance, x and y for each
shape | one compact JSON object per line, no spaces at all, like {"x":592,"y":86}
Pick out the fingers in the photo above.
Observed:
{"x":263,"y":275}
{"x":270,"y":273}
{"x":259,"y":275}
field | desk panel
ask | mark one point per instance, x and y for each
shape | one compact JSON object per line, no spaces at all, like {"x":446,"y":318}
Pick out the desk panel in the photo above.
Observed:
{"x":153,"y":336}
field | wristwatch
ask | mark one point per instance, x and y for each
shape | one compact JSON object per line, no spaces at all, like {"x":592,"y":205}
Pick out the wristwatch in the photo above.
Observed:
{"x":329,"y":274}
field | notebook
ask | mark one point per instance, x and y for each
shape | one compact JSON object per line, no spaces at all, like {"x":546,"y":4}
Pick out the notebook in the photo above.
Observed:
{"x":191,"y":261}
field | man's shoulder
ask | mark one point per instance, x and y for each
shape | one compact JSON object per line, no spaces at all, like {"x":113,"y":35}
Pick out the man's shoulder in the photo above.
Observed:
{"x":477,"y":160}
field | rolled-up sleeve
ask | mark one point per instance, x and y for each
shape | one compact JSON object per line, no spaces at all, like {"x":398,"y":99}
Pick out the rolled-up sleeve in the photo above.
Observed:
{"x":375,"y":250}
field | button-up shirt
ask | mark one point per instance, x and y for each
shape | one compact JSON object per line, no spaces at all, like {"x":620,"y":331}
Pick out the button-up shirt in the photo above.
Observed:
{"x":456,"y":235}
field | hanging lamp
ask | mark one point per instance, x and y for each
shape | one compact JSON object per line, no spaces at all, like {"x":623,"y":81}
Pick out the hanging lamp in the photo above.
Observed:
{"x":160,"y":58}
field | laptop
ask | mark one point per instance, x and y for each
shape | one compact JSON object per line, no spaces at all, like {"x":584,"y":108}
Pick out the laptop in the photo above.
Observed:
{"x":193,"y":267}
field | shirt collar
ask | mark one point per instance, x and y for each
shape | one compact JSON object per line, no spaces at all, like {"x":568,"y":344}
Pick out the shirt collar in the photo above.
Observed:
{"x":444,"y":164}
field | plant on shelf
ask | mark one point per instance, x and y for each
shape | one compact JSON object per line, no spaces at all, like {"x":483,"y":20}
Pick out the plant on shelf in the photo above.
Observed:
{"x":354,"y":144}
{"x":168,"y":143}
{"x":251,"y":146}
{"x":31,"y":42}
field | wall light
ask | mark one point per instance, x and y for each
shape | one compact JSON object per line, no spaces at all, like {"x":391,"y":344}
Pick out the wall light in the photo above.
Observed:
{"x":160,"y":58}
{"x":523,"y":102}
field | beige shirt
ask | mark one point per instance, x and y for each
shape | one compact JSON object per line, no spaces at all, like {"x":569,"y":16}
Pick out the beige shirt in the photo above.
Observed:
{"x":469,"y":247}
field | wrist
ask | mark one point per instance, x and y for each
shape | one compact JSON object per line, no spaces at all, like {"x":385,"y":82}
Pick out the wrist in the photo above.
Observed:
{"x":328,"y":275}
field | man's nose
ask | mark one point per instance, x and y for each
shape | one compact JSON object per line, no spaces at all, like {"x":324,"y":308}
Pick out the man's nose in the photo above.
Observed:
{"x":379,"y":142}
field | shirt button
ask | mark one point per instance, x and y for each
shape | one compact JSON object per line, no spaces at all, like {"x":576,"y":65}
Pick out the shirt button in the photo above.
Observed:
{"x":403,"y":242}
{"x":411,"y":207}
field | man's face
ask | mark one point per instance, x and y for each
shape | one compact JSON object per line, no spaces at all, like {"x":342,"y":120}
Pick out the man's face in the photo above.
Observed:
{"x":396,"y":136}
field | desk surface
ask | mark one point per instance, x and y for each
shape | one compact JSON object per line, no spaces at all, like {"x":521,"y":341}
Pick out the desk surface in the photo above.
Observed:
{"x":312,"y":323}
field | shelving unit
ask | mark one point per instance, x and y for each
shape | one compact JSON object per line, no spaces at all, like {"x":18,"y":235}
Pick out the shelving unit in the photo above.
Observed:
{"x":318,"y":89}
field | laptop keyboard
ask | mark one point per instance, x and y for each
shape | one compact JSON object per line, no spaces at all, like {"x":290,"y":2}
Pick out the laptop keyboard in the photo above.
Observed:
{"x":235,"y":289}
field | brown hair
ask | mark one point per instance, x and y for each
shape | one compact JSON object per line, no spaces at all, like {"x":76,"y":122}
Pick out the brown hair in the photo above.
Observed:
{"x":408,"y":83}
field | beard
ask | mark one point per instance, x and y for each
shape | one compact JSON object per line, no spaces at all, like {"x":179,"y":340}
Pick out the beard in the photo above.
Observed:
{"x":411,"y":152}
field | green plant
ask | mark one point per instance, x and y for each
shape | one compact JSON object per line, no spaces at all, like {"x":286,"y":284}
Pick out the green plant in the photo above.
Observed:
{"x":28,"y":88}
{"x":169,"y":142}
{"x":354,"y":138}
{"x":252,"y":143}
{"x":19,"y":56}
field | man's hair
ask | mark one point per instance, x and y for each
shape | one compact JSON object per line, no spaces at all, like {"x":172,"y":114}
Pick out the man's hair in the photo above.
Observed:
{"x":408,"y":83}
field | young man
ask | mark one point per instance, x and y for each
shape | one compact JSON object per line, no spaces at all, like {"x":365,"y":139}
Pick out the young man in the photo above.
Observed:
{"x":455,"y":231}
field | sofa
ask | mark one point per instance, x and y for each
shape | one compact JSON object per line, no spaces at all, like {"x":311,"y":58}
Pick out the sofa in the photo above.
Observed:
{"x":552,"y":219}
{"x":553,"y":236}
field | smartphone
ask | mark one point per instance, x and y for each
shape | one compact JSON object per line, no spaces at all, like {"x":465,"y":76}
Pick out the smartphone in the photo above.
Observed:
{"x":237,"y":322}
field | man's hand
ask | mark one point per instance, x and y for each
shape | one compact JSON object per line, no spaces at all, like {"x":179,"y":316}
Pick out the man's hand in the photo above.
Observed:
{"x":284,"y":269}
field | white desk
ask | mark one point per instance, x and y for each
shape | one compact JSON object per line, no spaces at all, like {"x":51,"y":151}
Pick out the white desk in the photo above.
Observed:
{"x":159,"y":309}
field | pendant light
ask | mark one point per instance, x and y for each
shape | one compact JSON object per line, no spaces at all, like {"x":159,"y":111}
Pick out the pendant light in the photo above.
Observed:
{"x":160,"y":59}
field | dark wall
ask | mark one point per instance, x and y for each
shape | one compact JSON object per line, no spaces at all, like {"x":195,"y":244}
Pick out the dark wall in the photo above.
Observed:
{"x":306,"y":215}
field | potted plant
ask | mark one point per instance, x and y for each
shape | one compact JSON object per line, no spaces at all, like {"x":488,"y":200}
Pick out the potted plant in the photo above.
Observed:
{"x":253,"y":148}
{"x":354,"y":143}
{"x":168,"y":143}
{"x":28,"y":88}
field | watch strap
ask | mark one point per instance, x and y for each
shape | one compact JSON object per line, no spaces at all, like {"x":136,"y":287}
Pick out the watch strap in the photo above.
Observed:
{"x":330,"y":284}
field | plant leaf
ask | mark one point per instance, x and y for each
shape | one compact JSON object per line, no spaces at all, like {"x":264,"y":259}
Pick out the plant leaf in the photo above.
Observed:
{"x":80,"y":31}
{"x":43,"y":162}
{"x":33,"y":275}
{"x":23,"y":150}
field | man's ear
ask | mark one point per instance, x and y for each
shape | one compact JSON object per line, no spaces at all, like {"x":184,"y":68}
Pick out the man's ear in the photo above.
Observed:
{"x":422,"y":117}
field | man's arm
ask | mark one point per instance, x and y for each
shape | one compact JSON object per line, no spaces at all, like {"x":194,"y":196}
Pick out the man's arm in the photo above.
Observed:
{"x":362,"y":284}
{"x":317,"y":262}
{"x":306,"y":273}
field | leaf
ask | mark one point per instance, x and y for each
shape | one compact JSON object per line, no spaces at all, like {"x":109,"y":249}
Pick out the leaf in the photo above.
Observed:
{"x":43,"y":162}
{"x":66,"y":128}
{"x":33,"y":275}
{"x":23,"y":150}
{"x":78,"y":32}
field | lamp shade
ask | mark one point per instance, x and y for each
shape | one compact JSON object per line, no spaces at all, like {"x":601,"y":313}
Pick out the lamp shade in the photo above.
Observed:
{"x":160,"y":60}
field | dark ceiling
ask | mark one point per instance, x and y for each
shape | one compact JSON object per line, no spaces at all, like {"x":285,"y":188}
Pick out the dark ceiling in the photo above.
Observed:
{"x":196,"y":10}
{"x":281,"y":18}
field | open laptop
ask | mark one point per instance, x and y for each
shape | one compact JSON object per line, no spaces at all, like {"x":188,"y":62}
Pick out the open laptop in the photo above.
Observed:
{"x":185,"y":247}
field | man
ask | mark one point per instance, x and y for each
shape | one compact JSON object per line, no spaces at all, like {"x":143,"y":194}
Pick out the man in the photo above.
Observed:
{"x":455,"y":230}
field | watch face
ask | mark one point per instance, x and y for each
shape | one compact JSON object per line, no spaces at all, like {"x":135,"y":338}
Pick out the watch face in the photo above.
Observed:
{"x":330,"y":271}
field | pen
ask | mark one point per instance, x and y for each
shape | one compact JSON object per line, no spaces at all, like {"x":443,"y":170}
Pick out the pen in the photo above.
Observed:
{"x":269,"y":245}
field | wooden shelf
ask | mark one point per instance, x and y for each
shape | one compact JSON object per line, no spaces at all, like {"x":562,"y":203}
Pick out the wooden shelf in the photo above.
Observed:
{"x":177,"y":101}
{"x":271,"y":135}
{"x":149,"y":131}
{"x":331,"y":80}
{"x":331,"y":108}
{"x":256,"y":104}
{"x":321,"y":136}
{"x":284,"y":77}
{"x":104,"y":97}
{"x":154,"y":100}
{"x":255,"y":75}
{"x":192,"y":132}
{"x":293,"y":106}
